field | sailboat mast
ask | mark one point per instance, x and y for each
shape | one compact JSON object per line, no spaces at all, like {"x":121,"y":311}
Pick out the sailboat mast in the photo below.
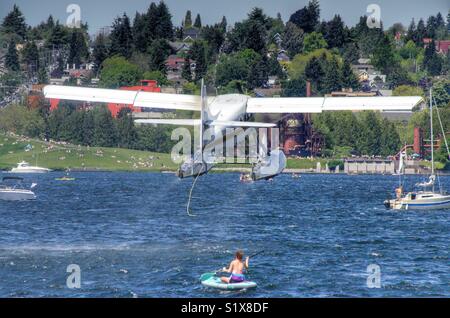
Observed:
{"x":431,"y":131}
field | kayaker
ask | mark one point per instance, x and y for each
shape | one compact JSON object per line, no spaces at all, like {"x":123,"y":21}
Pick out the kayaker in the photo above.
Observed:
{"x":236,"y":268}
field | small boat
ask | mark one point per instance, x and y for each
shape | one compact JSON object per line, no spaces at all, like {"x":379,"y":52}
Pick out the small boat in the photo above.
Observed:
{"x":428,"y":198}
{"x":24,"y":167}
{"x":15,"y":192}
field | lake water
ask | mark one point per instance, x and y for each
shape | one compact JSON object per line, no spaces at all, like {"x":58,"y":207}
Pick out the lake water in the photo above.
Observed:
{"x":131,"y":237}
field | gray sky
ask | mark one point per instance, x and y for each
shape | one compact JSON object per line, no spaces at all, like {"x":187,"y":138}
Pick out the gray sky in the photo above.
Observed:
{"x":99,"y":13}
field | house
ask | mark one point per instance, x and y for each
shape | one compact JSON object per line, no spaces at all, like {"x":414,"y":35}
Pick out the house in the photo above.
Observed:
{"x":191,"y":34}
{"x":174,"y":67}
{"x":278,"y":39}
{"x":442,"y":46}
{"x":180,"y":47}
{"x":367,"y":74}
{"x":282,"y":56}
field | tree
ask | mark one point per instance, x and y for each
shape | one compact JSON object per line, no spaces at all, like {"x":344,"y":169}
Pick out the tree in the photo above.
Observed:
{"x":198,"y":53}
{"x":198,"y":22}
{"x":251,"y":33}
{"x":14,"y":23}
{"x":224,"y":24}
{"x":100,"y":52}
{"x":58,"y":36}
{"x":78,"y":51}
{"x":156,"y":76}
{"x":293,"y":39}
{"x":441,"y":93}
{"x":117,"y":72}
{"x":349,"y":79}
{"x":314,"y":72}
{"x":214,"y":36}
{"x":313,"y":41}
{"x":308,"y":17}
{"x":186,"y":71}
{"x":335,"y":33}
{"x":42,"y":76}
{"x":383,"y":56}
{"x":140,"y":36}
{"x":159,"y":51}
{"x":294,"y":88}
{"x":421,"y":32}
{"x":127,"y":133}
{"x":105,"y":130}
{"x":432,"y":62}
{"x":332,"y":81}
{"x":188,"y":20}
{"x":121,"y":37}
{"x":12,"y":58}
{"x":164,"y":27}
{"x":30,"y":55}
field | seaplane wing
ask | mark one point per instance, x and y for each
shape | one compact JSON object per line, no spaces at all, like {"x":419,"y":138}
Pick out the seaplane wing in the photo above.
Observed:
{"x":135,"y":98}
{"x":320,"y":104}
{"x":176,"y":122}
{"x":240,"y":124}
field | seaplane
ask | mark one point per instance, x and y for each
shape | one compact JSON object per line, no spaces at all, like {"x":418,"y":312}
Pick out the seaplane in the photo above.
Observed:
{"x":220,"y":113}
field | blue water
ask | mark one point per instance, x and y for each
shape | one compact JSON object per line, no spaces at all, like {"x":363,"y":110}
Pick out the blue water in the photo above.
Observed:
{"x":131,"y":237}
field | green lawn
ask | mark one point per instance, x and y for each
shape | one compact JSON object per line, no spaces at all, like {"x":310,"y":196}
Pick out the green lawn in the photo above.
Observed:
{"x":59,"y":156}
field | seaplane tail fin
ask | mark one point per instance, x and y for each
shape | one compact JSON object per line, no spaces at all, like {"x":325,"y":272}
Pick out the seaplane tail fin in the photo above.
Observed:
{"x":320,"y":104}
{"x":241,"y":124}
{"x":134,"y":98}
{"x":176,"y":122}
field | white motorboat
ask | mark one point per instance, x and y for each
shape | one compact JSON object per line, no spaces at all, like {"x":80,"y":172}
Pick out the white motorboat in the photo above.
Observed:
{"x":16,"y":192}
{"x":25,"y":167}
{"x":428,"y":198}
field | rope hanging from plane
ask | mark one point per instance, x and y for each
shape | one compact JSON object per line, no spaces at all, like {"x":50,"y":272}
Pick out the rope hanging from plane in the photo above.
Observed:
{"x":188,"y":207}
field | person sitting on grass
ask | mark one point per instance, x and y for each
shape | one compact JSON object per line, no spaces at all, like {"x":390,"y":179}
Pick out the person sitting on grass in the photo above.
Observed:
{"x":236,"y":268}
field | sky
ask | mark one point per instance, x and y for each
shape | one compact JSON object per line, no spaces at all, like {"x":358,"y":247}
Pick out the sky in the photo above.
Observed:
{"x":101,"y":13}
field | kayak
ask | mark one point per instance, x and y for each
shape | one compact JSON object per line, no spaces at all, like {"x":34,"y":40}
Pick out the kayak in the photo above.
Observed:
{"x":215,"y":282}
{"x":65,"y":179}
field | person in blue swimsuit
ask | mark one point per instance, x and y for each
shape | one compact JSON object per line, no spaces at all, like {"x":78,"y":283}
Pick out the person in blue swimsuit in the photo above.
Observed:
{"x":236,"y":268}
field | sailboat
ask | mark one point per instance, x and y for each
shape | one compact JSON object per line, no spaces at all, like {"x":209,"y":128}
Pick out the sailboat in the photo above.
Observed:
{"x":427,"y":198}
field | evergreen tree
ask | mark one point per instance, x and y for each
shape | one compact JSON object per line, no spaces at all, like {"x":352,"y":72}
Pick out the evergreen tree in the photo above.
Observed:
{"x":294,"y":88}
{"x":349,"y":79}
{"x":383,"y":56}
{"x":78,"y":51}
{"x":198,"y":53}
{"x":292,"y":39}
{"x":164,"y":26}
{"x":432,"y":62}
{"x":258,"y":75}
{"x":12,"y":58}
{"x":159,"y":51}
{"x":314,"y":72}
{"x":214,"y":36}
{"x":224,"y":24}
{"x":188,"y":20}
{"x":127,"y":134}
{"x":335,"y":33}
{"x":58,"y":37}
{"x":140,"y":36}
{"x":186,"y":73}
{"x":121,"y":37}
{"x":351,"y":53}
{"x":31,"y":57}
{"x":308,"y":17}
{"x":14,"y":23}
{"x":412,"y":33}
{"x":313,"y":41}
{"x":100,"y":52}
{"x":198,"y":22}
{"x":105,"y":131}
{"x":42,"y":76}
{"x":332,"y":81}
{"x":421,"y":32}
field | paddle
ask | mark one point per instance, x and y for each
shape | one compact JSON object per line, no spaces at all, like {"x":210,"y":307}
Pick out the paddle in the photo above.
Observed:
{"x":206,"y":276}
